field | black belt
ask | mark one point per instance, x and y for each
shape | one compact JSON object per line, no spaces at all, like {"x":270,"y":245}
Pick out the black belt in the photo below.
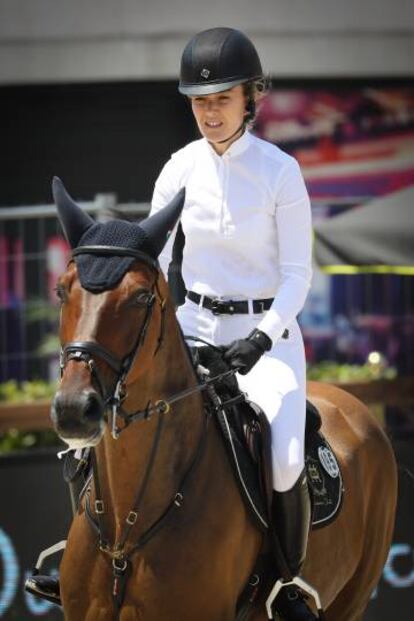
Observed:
{"x":229,"y":307}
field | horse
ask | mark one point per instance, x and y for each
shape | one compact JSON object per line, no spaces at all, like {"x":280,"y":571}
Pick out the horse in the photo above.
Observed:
{"x":162,"y":532}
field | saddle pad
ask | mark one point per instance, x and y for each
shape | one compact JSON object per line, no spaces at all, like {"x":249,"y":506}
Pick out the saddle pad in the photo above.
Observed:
{"x":325,"y":480}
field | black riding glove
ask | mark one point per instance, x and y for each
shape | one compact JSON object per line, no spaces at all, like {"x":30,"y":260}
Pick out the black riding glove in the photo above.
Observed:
{"x":243,"y":354}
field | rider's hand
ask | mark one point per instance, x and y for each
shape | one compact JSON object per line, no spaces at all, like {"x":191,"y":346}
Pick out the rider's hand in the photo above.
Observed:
{"x":243,"y":354}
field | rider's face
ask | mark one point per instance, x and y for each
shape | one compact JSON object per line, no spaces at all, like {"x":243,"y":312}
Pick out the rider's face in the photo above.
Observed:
{"x":219,"y":115}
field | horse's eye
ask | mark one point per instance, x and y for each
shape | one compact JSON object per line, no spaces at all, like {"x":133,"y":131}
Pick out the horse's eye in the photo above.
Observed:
{"x":61,"y":293}
{"x":143,"y":298}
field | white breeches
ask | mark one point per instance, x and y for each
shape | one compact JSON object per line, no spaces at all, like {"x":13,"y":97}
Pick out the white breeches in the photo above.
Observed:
{"x":277,"y":383}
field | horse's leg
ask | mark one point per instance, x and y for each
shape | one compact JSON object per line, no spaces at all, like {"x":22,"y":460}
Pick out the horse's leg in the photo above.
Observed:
{"x":353,"y":599}
{"x":83,"y":572}
{"x":100,"y":614}
{"x":351,"y":603}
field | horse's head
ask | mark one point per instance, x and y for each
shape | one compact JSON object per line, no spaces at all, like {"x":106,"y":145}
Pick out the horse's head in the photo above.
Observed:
{"x":108,"y":293}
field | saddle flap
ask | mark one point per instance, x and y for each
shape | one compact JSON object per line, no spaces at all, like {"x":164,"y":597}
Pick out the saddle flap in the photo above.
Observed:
{"x":258,"y":439}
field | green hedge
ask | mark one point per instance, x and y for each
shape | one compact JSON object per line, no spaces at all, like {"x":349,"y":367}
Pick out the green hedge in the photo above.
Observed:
{"x":26,"y":392}
{"x":333,"y":372}
{"x":13,"y":391}
{"x":14,"y":440}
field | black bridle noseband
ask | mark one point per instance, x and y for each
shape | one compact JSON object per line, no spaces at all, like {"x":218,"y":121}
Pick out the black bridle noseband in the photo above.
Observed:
{"x":85,"y":351}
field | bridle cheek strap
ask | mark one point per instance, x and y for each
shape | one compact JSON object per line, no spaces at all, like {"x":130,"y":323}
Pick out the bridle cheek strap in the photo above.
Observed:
{"x":163,"y":307}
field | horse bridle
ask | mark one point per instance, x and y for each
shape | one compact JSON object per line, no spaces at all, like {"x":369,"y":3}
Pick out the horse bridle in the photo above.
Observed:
{"x":86,"y":351}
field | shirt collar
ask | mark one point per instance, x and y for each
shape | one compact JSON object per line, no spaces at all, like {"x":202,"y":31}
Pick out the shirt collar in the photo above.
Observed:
{"x":236,"y":148}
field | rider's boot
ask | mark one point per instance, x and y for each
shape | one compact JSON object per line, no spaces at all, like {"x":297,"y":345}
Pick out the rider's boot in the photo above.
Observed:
{"x":291,"y":517}
{"x":44,"y":587}
{"x":48,"y":587}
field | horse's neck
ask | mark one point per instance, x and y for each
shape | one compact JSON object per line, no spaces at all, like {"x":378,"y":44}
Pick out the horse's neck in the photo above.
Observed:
{"x":123,"y":462}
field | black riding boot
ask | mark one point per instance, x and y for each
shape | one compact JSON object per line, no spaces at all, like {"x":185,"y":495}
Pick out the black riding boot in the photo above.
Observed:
{"x":291,"y":517}
{"x":48,"y":587}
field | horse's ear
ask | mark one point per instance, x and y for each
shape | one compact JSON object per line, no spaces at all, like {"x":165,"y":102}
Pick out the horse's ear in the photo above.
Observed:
{"x":73,"y":219}
{"x":159,"y":226}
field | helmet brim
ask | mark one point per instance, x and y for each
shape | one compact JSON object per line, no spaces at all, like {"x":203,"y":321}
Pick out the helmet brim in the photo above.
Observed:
{"x":194,"y":90}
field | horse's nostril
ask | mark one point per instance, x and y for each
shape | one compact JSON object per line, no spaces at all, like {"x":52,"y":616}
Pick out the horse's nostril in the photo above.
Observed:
{"x":72,"y":413}
{"x":93,"y":407}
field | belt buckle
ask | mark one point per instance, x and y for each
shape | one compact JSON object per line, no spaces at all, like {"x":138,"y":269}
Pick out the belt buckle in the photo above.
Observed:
{"x":222,"y":307}
{"x":215,"y":304}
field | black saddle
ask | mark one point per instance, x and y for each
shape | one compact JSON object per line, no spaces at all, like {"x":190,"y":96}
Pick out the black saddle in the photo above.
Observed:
{"x":247,"y":438}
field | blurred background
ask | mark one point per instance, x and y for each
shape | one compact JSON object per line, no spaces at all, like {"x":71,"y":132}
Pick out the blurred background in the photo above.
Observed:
{"x":88,"y":92}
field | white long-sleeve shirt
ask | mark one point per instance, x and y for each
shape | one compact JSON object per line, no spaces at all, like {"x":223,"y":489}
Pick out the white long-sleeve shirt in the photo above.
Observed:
{"x":247,"y":225}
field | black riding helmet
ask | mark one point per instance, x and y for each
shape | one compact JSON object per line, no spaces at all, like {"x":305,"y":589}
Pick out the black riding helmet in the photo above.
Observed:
{"x":217,"y":59}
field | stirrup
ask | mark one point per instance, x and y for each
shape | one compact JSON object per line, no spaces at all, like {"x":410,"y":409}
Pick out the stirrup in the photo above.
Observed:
{"x":30,"y":584}
{"x":303,"y":586}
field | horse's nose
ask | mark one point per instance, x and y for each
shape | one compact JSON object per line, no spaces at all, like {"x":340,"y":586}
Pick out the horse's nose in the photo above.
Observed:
{"x":91,"y":406}
{"x":77,"y":413}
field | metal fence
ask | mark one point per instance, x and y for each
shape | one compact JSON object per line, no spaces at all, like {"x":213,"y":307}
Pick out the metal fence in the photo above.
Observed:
{"x":33,"y":253}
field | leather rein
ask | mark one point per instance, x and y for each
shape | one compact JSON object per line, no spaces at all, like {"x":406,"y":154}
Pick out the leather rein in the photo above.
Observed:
{"x":85,"y":351}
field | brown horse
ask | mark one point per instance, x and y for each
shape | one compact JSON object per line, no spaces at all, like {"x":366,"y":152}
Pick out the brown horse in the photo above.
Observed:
{"x":195,"y":545}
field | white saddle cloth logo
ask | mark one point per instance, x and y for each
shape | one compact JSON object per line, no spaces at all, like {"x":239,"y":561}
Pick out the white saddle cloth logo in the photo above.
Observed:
{"x":328,"y":461}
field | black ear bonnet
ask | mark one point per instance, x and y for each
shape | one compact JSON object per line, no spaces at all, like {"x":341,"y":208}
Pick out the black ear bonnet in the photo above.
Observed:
{"x":101,"y":272}
{"x":98,"y":273}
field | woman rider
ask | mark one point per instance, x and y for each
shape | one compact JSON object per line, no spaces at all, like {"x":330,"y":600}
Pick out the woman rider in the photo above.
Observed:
{"x":246,"y":262}
{"x":246,"y":267}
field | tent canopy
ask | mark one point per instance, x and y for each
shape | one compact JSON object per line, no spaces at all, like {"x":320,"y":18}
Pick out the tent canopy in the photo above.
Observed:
{"x":377,"y":237}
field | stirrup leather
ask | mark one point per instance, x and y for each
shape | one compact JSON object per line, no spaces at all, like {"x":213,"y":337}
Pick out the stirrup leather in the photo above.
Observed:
{"x":57,"y":547}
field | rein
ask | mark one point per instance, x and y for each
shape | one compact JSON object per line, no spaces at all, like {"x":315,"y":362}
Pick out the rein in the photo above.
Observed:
{"x":164,"y":405}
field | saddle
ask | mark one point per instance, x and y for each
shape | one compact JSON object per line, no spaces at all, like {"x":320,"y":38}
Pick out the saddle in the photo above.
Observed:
{"x":247,"y":438}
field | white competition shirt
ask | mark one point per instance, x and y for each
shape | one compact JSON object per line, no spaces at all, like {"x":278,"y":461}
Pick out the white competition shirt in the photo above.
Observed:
{"x":247,"y":225}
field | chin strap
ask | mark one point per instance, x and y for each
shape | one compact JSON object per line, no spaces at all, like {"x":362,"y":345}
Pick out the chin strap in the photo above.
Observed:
{"x":242,"y":126}
{"x":249,"y":116}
